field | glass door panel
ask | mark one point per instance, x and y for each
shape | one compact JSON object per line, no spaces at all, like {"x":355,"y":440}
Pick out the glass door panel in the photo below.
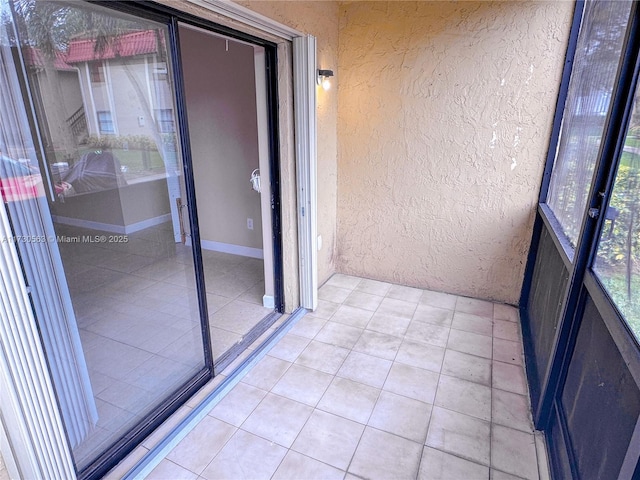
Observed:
{"x":617,"y":264}
{"x":225,"y":109}
{"x":585,"y":112}
{"x":113,"y":279}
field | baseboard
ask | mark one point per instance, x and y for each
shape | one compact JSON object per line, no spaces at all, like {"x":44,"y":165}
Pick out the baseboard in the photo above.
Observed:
{"x":268,"y":301}
{"x":109,"y":227}
{"x":232,"y":249}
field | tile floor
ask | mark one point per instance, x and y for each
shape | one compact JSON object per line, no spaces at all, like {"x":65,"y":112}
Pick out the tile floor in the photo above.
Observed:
{"x":139,"y":323}
{"x":382,"y":382}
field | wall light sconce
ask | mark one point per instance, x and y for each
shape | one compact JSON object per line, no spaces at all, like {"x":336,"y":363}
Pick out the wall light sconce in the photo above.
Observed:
{"x":323,"y":78}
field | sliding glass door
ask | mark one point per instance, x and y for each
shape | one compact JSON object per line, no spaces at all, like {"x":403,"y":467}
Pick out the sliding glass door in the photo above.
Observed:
{"x":101,"y":210}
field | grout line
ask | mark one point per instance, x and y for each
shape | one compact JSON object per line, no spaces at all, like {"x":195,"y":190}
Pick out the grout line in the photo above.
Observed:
{"x":152,"y":458}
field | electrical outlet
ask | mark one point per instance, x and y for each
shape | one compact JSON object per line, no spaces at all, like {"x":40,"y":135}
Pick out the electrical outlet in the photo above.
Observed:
{"x":250,"y":223}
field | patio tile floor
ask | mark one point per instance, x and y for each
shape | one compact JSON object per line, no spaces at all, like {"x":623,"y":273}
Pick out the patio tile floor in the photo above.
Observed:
{"x":381,"y":382}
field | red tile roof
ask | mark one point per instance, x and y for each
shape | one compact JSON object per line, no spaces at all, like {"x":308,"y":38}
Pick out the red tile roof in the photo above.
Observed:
{"x":127,"y":45}
{"x":35,"y":58}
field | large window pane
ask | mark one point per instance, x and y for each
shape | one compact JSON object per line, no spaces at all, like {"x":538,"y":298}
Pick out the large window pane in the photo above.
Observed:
{"x":594,"y":70}
{"x":103,"y":241}
{"x":618,"y":261}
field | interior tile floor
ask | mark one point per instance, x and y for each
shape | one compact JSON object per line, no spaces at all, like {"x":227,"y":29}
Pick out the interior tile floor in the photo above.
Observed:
{"x":380,"y":382}
{"x":138,"y":318}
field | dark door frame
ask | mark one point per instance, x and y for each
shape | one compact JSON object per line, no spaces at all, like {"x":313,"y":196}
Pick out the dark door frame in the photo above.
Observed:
{"x":546,"y":386}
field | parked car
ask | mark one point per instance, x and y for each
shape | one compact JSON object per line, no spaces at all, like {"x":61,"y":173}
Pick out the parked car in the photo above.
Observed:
{"x":18,"y":180}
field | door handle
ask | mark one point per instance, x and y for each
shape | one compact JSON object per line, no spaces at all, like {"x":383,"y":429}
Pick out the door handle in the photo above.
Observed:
{"x":183,"y":233}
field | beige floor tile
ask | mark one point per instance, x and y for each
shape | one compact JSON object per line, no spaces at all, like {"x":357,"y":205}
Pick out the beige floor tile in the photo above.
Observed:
{"x":505,"y":312}
{"x":237,"y":405}
{"x":468,"y":367}
{"x":373,"y":287}
{"x":329,"y":439}
{"x":324,"y":357}
{"x":238,"y":317}
{"x":352,"y":400}
{"x":474,"y":306}
{"x":266,"y":373}
{"x":303,"y":384}
{"x":352,"y":316}
{"x":366,"y":301}
{"x":253,"y":294}
{"x":202,"y":444}
{"x":506,"y":330}
{"x":298,"y":466}
{"x":418,"y":349}
{"x":378,"y":344}
{"x":511,"y":410}
{"x":245,"y":456}
{"x":402,"y":416}
{"x":507,"y":351}
{"x":381,"y":455}
{"x":278,"y":419}
{"x":464,"y":397}
{"x":344,"y":281}
{"x":397,"y":308}
{"x":460,"y":434}
{"x":289,"y":347}
{"x":308,"y":326}
{"x":514,"y":452}
{"x":325,"y":309}
{"x":167,"y":470}
{"x":433,"y":315}
{"x":333,"y":294}
{"x":339,"y":334}
{"x":439,"y":465}
{"x":365,"y":369}
{"x":427,"y":333}
{"x":396,"y":326}
{"x":222,"y":340}
{"x":472,"y":323}
{"x":408,"y":294}
{"x":438,"y":299}
{"x":509,"y":377}
{"x":420,"y":355}
{"x":498,"y":475}
{"x":412,"y":382}
{"x":471,"y":343}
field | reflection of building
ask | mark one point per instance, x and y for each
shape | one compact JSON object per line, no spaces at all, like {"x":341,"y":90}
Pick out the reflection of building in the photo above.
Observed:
{"x":58,"y":101}
{"x":87,"y":77}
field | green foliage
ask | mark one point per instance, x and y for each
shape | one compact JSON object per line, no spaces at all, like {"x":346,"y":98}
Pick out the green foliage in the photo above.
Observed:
{"x":616,"y":285}
{"x":139,"y":142}
{"x":619,"y":249}
{"x":614,"y":242}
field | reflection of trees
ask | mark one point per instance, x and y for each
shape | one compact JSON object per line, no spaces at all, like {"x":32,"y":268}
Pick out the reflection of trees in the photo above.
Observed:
{"x":595,"y":65}
{"x":49,"y":27}
{"x":619,"y":248}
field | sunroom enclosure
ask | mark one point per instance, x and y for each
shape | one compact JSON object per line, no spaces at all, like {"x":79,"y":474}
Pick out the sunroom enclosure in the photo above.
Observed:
{"x":580,"y":306}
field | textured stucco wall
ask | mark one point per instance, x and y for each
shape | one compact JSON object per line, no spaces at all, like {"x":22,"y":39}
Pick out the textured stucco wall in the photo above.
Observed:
{"x":445,"y":110}
{"x":319,"y":19}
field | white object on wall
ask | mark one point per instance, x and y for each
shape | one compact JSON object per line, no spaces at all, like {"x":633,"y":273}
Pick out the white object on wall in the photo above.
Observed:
{"x":255,"y":180}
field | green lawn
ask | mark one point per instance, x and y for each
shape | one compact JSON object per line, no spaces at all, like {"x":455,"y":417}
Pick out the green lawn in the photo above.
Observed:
{"x":616,"y":286}
{"x":133,"y":160}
